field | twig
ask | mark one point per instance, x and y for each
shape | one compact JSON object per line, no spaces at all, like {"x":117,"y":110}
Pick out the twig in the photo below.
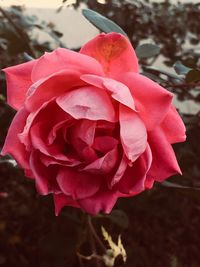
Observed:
{"x":94,"y":233}
{"x":19,"y":32}
{"x":94,"y":250}
{"x":80,"y":259}
{"x":91,"y":231}
{"x":88,"y":258}
{"x":183,"y":85}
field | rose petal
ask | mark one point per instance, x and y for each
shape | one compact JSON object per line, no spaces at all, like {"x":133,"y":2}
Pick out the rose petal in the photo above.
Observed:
{"x":61,"y":200}
{"x":132,"y":133}
{"x":103,"y":201}
{"x":18,"y":80}
{"x":76,"y":184}
{"x":70,"y":161}
{"x":88,"y":103}
{"x":104,"y":144}
{"x":24,"y":135}
{"x":149,"y":182}
{"x":119,"y":91}
{"x":12,"y":144}
{"x":133,"y":181}
{"x":83,"y":130}
{"x":38,"y":136}
{"x":173,"y":126}
{"x":44,"y":176}
{"x":151,"y":100}
{"x":52,"y":86}
{"x":114,"y":52}
{"x":164,"y":160}
{"x":53,"y":133}
{"x":42,"y":114}
{"x":87,"y":154}
{"x":104,"y":164}
{"x":81,"y":137}
{"x":106,"y":128}
{"x":119,"y":173}
{"x":61,"y":59}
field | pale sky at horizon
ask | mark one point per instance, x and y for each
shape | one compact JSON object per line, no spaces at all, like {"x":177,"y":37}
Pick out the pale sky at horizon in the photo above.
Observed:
{"x":34,"y":3}
{"x":56,"y":3}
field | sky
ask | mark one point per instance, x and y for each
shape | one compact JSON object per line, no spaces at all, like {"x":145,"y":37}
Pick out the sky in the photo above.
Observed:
{"x":38,"y":3}
{"x":56,"y":3}
{"x":33,"y":3}
{"x":81,"y":32}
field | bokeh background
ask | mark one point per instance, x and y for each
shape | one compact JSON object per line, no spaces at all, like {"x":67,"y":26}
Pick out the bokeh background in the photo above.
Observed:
{"x":159,"y":227}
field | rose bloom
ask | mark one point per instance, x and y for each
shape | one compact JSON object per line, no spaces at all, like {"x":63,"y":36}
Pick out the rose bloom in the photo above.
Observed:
{"x":89,"y":128}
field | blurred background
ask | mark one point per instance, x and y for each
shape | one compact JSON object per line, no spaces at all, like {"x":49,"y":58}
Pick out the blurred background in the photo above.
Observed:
{"x":159,"y":227}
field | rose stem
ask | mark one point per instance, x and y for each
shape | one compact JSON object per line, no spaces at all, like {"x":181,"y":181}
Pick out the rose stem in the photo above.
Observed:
{"x":94,"y":233}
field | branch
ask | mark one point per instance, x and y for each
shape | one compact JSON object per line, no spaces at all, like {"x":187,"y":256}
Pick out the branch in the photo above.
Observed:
{"x":94,"y":233}
{"x":185,"y":85}
{"x":19,"y":32}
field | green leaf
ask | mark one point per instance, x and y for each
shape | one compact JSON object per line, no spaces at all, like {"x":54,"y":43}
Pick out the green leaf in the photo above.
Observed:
{"x":193,"y":76}
{"x":178,"y":186}
{"x":101,"y":22}
{"x":153,"y":77}
{"x":28,"y":57}
{"x":147,"y":50}
{"x":168,"y":74}
{"x":180,"y":68}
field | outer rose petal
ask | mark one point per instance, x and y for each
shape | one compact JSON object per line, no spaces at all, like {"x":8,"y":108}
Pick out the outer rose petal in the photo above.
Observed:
{"x":44,"y":177}
{"x":12,"y":143}
{"x":164,"y":162}
{"x":132,"y":132}
{"x":61,"y":59}
{"x":61,"y":200}
{"x":173,"y":127}
{"x":149,"y":182}
{"x":44,"y":90}
{"x":76,"y":184}
{"x":114,"y":52}
{"x":151,"y":100}
{"x":102,"y":201}
{"x":18,"y":82}
{"x":88,"y":103}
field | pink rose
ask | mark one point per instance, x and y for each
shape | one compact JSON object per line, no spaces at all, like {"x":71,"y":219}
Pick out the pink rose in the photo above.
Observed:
{"x":89,"y":128}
